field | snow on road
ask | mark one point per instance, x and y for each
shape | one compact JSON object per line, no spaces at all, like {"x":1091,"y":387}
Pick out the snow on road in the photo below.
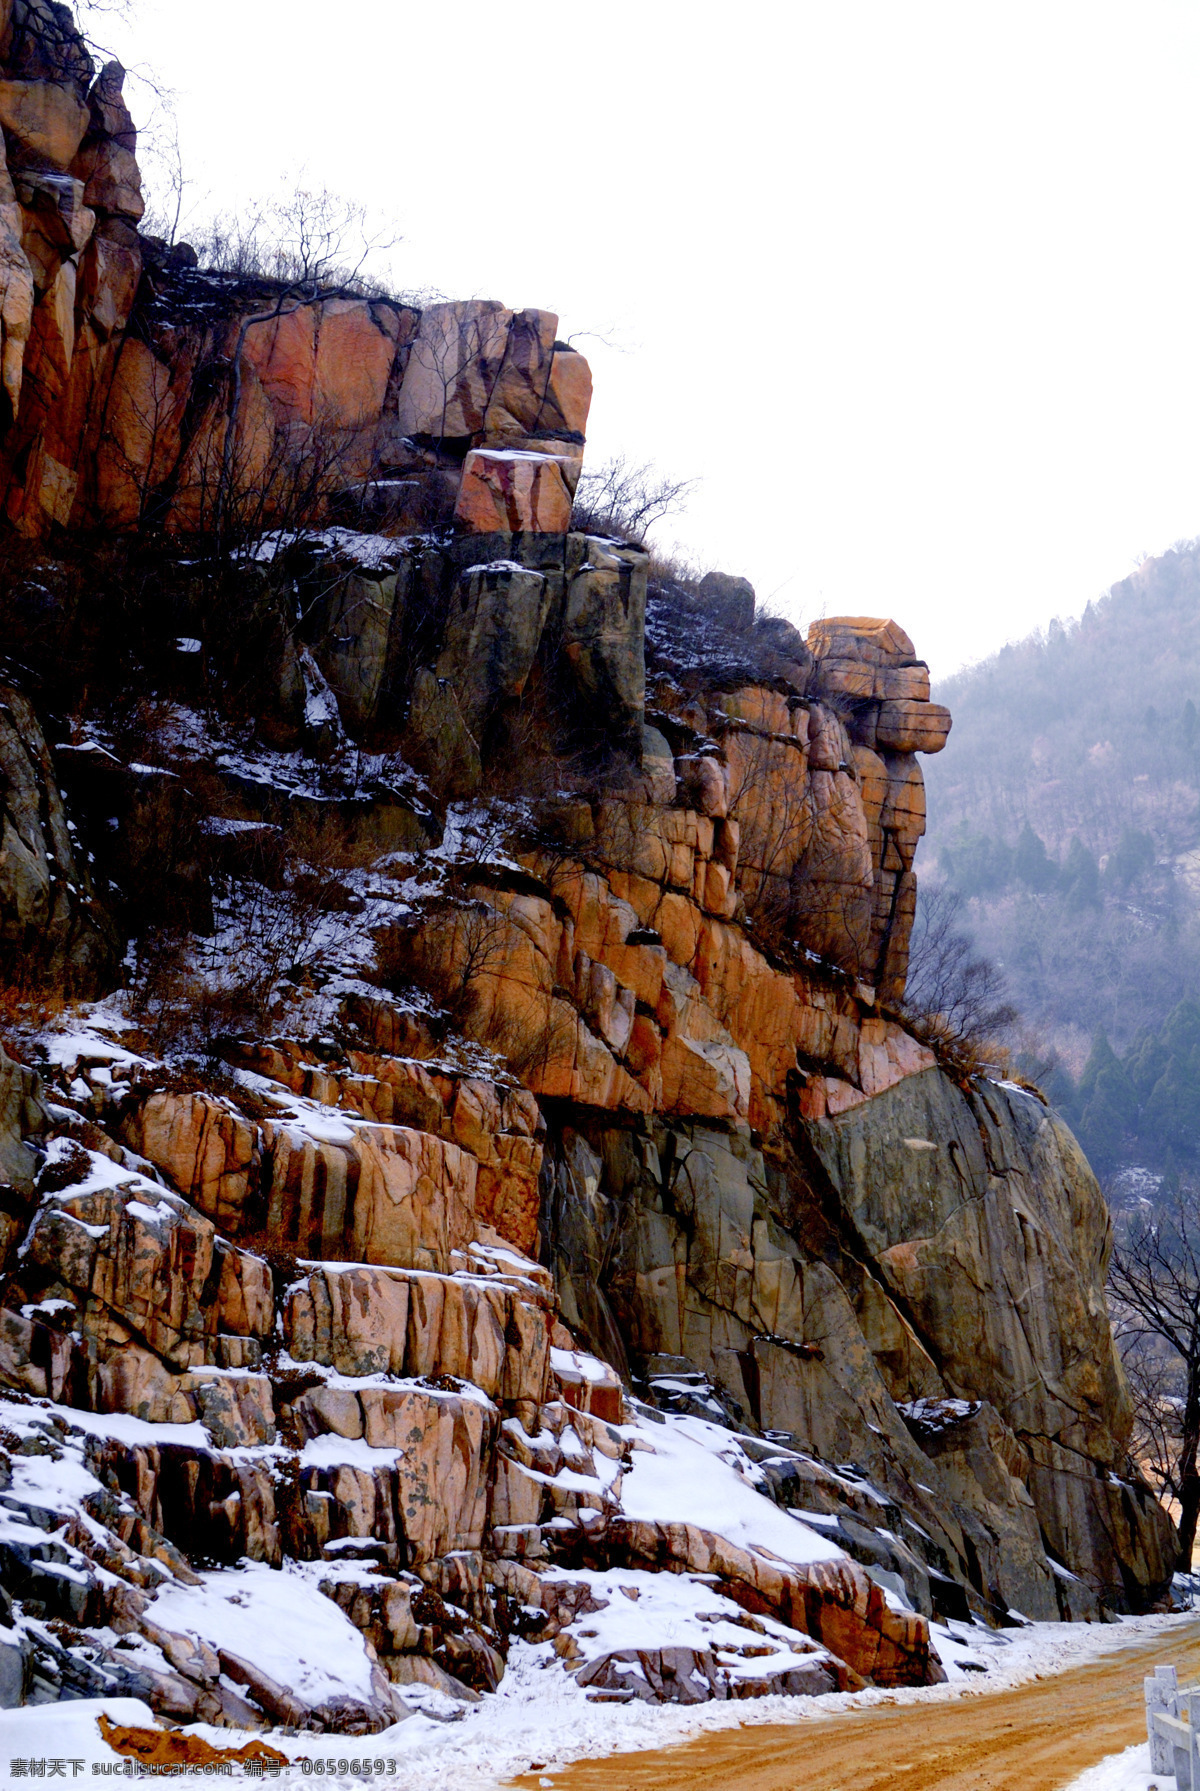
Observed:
{"x":541,"y":1720}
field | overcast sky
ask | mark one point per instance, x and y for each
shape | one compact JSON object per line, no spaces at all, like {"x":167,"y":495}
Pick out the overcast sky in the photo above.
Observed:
{"x":911,"y":289}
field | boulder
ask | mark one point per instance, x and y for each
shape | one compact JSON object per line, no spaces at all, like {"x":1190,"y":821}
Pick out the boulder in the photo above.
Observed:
{"x":453,"y":364}
{"x":389,"y":1194}
{"x":22,"y":1115}
{"x":155,"y":1272}
{"x":782,"y":648}
{"x":906,"y":726}
{"x":429,"y":1492}
{"x":16,"y":296}
{"x":833,"y":1601}
{"x":364,"y":1321}
{"x":516,"y":400}
{"x":207,"y":1151}
{"x":514,"y":490}
{"x":438,"y":739}
{"x":860,"y":678}
{"x":109,"y":275}
{"x":149,"y":847}
{"x":658,"y":767}
{"x":479,"y":371}
{"x":602,"y":637}
{"x":872,"y":640}
{"x":731,"y":600}
{"x":107,"y":160}
{"x":355,"y":615}
{"x":568,"y":396}
{"x":493,"y":632}
{"x":202,"y":1501}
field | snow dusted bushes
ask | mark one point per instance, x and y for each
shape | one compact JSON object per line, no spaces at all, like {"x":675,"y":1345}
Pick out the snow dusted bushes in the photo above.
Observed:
{"x":271,"y":924}
{"x":711,"y":622}
{"x":462,"y":951}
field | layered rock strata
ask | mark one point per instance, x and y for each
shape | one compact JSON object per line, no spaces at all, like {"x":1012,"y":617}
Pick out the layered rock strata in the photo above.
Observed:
{"x":515,"y":1190}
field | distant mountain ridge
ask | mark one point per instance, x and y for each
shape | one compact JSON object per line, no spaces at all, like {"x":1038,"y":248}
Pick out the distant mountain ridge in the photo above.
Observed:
{"x":1054,"y":727}
{"x":1066,"y":811}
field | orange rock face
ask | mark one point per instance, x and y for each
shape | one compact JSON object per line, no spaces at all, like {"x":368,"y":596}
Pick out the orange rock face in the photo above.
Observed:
{"x":209,"y":1153}
{"x":634,"y":989}
{"x":325,"y":363}
{"x":434,"y":1157}
{"x":365,"y":1321}
{"x":512,"y":489}
{"x":338,"y":1282}
{"x":46,"y":118}
{"x":326,"y":388}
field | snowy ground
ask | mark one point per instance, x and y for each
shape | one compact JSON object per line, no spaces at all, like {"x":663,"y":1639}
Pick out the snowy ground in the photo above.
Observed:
{"x":541,"y":1720}
{"x":1129,"y":1771}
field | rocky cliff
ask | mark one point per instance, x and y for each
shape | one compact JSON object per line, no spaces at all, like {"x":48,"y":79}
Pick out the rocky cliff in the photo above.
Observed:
{"x":466,"y":1166}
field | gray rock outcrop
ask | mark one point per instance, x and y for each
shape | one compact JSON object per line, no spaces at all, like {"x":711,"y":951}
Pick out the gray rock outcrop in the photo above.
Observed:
{"x":50,"y":922}
{"x":918,"y":1288}
{"x":984,"y":1223}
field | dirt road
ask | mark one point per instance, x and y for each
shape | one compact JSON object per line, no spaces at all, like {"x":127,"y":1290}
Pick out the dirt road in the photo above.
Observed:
{"x":1037,"y":1738}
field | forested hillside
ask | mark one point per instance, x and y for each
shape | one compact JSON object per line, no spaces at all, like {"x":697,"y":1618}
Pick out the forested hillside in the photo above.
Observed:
{"x":1066,"y":812}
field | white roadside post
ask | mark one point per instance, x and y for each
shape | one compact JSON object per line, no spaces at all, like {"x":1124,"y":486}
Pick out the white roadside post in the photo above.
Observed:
{"x":1189,"y":1709}
{"x":1171,"y":1728}
{"x":1162,"y":1692}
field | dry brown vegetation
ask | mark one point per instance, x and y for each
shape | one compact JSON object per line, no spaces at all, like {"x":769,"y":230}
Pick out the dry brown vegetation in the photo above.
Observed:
{"x":956,"y":1000}
{"x":456,"y":954}
{"x":624,"y":500}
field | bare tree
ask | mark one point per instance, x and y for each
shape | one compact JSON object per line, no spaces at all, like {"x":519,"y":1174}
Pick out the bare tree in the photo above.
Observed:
{"x":954,"y":998}
{"x":621,"y":498}
{"x":164,"y":210}
{"x":1152,"y":1373}
{"x":1154,"y":1280}
{"x":305,"y":237}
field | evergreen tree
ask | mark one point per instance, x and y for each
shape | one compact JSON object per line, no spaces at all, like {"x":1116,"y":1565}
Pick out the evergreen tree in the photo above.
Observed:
{"x":1133,"y":857}
{"x":1108,"y":1105}
{"x":1080,"y":876}
{"x":1030,"y":863}
{"x":1100,"y":1057}
{"x":1145,"y":1062}
{"x":1181,"y":1030}
{"x":976,"y":864}
{"x":1165,"y":1072}
{"x":1058,"y":1088}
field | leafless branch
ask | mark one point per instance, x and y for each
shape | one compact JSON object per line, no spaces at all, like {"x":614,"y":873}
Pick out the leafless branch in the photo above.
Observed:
{"x":1154,"y":1282}
{"x":624,"y":499}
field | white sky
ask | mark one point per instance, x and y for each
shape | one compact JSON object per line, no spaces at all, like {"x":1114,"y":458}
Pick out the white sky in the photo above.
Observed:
{"x":910,"y":286}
